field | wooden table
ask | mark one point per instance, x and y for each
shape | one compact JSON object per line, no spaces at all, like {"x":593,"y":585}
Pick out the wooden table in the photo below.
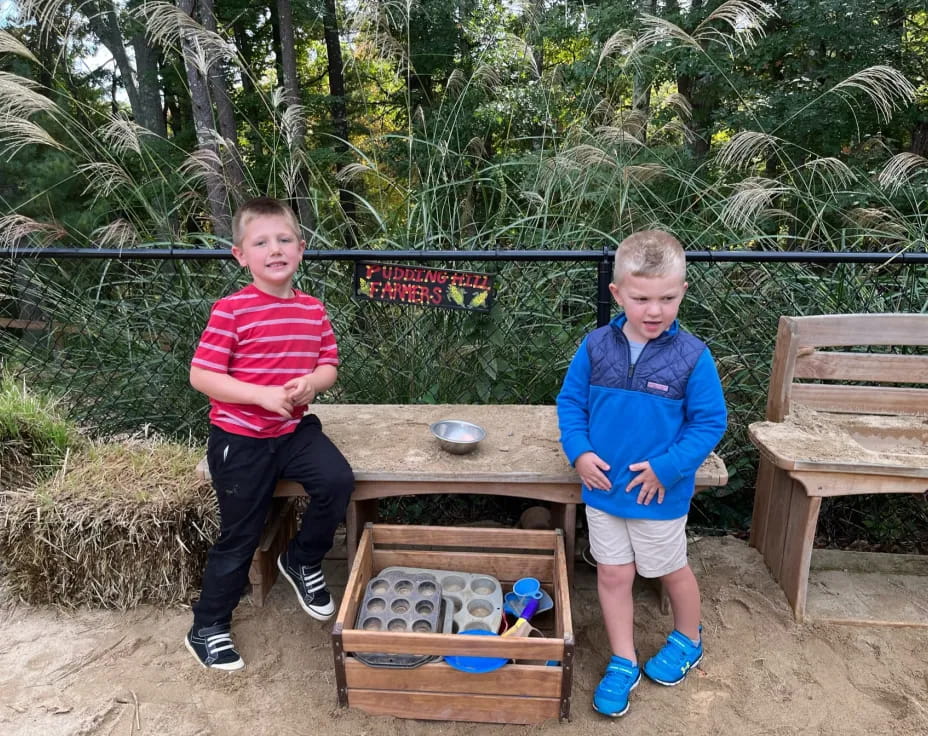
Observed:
{"x":393,"y":453}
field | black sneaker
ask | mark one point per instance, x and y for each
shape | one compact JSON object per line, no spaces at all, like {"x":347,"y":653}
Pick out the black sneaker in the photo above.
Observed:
{"x":309,"y":584}
{"x":213,"y":647}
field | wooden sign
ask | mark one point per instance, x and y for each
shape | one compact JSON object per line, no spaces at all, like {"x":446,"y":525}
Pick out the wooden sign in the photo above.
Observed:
{"x":424,"y":287}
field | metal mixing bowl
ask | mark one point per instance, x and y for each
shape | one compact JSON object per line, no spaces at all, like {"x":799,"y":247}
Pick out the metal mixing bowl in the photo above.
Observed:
{"x":457,"y":436}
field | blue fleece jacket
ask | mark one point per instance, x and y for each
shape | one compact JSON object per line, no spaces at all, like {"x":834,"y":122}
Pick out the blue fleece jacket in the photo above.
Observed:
{"x":667,"y":409}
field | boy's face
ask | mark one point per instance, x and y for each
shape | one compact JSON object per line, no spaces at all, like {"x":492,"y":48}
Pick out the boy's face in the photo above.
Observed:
{"x":272,"y":251}
{"x":651,"y":303}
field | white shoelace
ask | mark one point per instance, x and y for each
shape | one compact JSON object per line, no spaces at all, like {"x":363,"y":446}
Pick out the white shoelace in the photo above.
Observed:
{"x":313,"y":580}
{"x":217,"y":643}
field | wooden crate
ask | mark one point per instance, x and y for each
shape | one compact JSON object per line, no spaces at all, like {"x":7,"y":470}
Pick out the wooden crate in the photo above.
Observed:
{"x":516,"y":693}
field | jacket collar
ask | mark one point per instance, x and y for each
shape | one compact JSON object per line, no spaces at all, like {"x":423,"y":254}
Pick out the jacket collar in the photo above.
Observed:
{"x":621,"y":319}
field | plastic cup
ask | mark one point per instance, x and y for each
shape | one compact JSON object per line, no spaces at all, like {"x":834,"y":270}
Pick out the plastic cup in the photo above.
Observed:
{"x":526,"y":588}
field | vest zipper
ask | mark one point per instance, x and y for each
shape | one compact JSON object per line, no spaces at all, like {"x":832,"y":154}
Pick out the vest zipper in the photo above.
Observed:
{"x":632,"y":366}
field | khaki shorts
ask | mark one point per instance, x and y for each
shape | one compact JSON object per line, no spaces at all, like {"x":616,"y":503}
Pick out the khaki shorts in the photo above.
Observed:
{"x":656,"y":547}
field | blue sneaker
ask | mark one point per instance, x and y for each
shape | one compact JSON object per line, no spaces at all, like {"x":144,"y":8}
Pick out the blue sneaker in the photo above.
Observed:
{"x":611,"y":697}
{"x":677,"y":657}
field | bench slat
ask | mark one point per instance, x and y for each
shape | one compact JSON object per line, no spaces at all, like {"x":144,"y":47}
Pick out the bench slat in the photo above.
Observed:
{"x":860,"y":399}
{"x":877,"y":367}
{"x":835,"y":330}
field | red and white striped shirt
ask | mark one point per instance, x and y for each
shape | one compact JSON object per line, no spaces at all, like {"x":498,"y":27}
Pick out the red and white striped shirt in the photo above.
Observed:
{"x":266,"y":340}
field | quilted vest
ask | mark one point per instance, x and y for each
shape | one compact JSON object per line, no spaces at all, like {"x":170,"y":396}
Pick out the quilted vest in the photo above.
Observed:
{"x":663,"y":368}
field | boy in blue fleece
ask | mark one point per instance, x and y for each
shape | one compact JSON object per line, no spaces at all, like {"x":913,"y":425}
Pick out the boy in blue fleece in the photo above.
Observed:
{"x":640,"y":408}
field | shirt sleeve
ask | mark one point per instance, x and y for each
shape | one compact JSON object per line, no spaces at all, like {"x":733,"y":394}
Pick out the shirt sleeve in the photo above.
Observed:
{"x":328,"y":348}
{"x":573,"y":412}
{"x":218,"y":341}
{"x":705,"y":421}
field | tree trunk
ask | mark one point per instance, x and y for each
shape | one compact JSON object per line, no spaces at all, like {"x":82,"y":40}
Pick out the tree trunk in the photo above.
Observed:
{"x":104,"y":23}
{"x":700,"y":90}
{"x":219,"y":91}
{"x":141,"y":85}
{"x":150,"y":113}
{"x":216,"y":195}
{"x":286,"y":64}
{"x":290,"y":80}
{"x":176,"y":112}
{"x":145,"y":105}
{"x":243,"y":43}
{"x":276,"y":43}
{"x":641,"y":104}
{"x":335,"y":67}
{"x":688,"y":86}
{"x":920,"y":138}
{"x":641,"y":86}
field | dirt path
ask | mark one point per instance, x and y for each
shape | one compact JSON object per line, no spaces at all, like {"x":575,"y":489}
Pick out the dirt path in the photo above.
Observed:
{"x":104,"y":672}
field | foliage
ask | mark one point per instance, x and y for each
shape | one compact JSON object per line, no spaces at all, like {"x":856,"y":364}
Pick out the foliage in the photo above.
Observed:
{"x":875,"y":523}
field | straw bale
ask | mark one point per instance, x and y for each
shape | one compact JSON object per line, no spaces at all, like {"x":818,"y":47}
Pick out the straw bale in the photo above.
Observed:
{"x":119,"y":524}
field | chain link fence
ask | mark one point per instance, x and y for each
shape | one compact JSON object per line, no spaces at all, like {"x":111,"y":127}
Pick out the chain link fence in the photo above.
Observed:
{"x":112,"y":333}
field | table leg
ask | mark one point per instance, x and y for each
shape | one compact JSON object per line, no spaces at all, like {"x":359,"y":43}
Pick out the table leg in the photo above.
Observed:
{"x":564,"y":516}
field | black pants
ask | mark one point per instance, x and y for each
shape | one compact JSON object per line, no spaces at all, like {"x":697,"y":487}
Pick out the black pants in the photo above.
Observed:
{"x":244,"y":472}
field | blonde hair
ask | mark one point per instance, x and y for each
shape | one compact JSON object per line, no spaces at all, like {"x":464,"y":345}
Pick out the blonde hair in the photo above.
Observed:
{"x":261,"y":207}
{"x":649,"y":253}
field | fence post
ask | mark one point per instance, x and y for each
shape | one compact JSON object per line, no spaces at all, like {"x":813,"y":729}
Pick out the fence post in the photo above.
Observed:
{"x":603,"y":297}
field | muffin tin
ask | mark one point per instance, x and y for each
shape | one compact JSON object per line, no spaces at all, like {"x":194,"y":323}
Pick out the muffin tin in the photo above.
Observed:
{"x":400,"y":599}
{"x":477,"y":599}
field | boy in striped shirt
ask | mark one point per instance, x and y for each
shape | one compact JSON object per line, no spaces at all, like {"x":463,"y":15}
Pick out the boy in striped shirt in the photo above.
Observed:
{"x":266,"y":353}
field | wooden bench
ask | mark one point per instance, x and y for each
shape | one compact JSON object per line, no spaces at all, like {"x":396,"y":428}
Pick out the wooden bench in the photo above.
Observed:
{"x":839,"y":422}
{"x":393,"y":454}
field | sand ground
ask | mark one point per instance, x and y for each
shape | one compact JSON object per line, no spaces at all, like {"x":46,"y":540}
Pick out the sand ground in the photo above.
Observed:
{"x":127,"y":673}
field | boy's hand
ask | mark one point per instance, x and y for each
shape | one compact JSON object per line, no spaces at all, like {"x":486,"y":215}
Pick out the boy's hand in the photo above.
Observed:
{"x":650,"y":485}
{"x":275,"y":399}
{"x":301,"y":391}
{"x":591,"y":469}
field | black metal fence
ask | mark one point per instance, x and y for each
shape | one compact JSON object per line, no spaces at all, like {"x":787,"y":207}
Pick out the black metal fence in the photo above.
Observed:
{"x":112,"y":332}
